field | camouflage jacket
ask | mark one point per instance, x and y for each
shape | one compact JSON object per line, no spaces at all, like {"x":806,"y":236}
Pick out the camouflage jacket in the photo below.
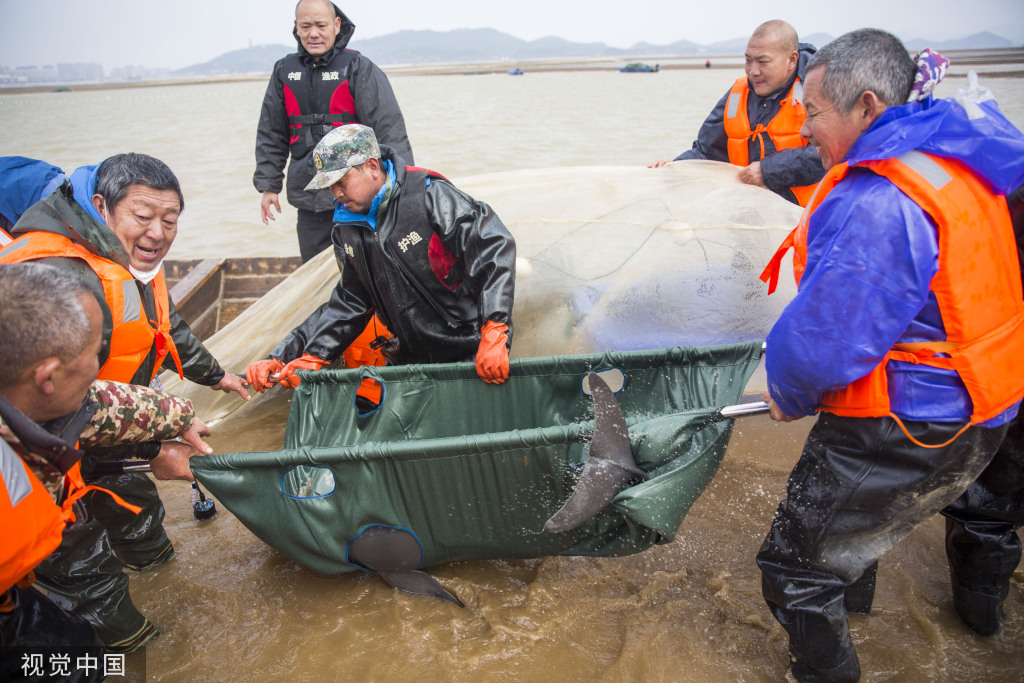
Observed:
{"x":112,"y":414}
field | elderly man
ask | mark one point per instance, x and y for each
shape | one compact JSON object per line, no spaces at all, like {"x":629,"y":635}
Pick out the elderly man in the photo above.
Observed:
{"x":906,"y":334}
{"x":435,"y":265}
{"x":756,"y":125}
{"x":311,"y":91}
{"x":113,"y":225}
{"x":51,"y":325}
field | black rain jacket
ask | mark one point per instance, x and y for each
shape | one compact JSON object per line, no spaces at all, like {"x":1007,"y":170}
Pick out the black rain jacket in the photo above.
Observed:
{"x":375,"y":105}
{"x":387,"y":271}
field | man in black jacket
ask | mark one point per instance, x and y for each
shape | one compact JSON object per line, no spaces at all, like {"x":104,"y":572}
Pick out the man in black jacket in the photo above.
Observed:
{"x":436,"y":266}
{"x":321,"y":86}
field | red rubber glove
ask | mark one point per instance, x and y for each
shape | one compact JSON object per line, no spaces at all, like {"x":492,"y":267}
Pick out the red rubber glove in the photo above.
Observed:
{"x":304,"y":362}
{"x":492,"y":356}
{"x":258,"y":373}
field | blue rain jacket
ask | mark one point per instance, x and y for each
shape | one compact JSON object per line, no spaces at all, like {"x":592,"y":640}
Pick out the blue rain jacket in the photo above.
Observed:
{"x":871,"y":255}
{"x":23,"y":182}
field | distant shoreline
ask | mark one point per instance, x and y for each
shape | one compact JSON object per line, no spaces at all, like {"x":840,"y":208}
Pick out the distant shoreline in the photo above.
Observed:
{"x":994,"y":63}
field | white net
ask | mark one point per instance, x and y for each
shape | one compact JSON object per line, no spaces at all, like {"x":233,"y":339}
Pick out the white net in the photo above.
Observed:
{"x":618,"y":258}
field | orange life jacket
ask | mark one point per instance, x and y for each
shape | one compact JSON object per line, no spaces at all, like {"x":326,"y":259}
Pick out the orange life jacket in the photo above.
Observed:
{"x":977,"y":286}
{"x":360,"y":352}
{"x":133,"y":333}
{"x":783,"y":130}
{"x":32,"y":523}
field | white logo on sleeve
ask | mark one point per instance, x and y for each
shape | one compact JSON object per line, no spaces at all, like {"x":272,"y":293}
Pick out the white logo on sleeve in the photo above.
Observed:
{"x":350,"y":251}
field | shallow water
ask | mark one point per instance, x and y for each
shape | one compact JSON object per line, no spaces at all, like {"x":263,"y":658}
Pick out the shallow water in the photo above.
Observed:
{"x":229,"y":607}
{"x":232,"y":608}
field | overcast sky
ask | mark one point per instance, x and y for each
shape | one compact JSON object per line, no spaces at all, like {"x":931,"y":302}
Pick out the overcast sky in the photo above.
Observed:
{"x":178,"y":33}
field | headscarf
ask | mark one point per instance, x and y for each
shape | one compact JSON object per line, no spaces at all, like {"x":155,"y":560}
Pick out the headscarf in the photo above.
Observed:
{"x":931,"y":68}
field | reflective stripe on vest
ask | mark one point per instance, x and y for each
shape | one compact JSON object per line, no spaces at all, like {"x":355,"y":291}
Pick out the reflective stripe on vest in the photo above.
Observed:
{"x":32,"y":522}
{"x":133,"y":336}
{"x":977,"y":286}
{"x":783,"y":130}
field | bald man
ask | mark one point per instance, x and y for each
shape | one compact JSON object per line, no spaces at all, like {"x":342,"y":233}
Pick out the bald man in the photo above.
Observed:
{"x":311,"y":91}
{"x":756,"y":125}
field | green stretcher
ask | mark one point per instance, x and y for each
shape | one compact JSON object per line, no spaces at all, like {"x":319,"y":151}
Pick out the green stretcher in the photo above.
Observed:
{"x":450,"y":468}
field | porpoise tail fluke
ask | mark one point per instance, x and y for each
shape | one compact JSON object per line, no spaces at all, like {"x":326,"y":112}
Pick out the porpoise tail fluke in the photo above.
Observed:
{"x":609,"y":468}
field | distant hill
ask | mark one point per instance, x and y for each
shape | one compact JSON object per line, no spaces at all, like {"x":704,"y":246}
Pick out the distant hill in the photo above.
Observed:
{"x":472,"y":45}
{"x":978,"y":41}
{"x":256,"y":59}
{"x":489,"y":45}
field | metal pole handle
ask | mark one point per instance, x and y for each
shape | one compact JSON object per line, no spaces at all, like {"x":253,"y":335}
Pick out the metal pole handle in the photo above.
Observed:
{"x":741,"y":409}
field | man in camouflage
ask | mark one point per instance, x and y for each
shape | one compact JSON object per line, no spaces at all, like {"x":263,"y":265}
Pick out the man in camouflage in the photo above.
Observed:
{"x":51,"y":326}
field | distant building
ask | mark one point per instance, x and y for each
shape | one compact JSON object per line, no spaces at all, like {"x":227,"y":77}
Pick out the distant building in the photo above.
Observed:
{"x":70,"y":73}
{"x":136,"y":73}
{"x":36,"y":74}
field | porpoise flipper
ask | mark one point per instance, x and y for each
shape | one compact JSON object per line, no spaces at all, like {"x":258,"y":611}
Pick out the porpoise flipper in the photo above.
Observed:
{"x":419,"y":583}
{"x":609,"y":468}
{"x":395,"y":555}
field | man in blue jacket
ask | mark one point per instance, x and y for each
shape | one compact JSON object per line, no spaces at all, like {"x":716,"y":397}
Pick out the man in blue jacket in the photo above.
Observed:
{"x":914,"y":374}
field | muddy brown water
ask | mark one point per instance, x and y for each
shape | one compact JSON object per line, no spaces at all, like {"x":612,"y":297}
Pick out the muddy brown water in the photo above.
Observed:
{"x":231,"y":608}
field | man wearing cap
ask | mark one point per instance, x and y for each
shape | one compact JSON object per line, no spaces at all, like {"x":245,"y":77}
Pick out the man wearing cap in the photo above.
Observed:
{"x":435,"y":265}
{"x":756,"y":125}
{"x":311,"y":91}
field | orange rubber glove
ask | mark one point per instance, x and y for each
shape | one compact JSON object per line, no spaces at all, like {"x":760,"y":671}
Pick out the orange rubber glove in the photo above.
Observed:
{"x":303,"y":362}
{"x":492,"y":356}
{"x":258,"y":373}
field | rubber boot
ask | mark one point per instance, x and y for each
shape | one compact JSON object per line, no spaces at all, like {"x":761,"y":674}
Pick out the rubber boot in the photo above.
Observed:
{"x":982,"y":612}
{"x":982,"y":544}
{"x":847,"y":672}
{"x":138,"y":540}
{"x":83,"y":576}
{"x":861,"y":593}
{"x":30,"y":623}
